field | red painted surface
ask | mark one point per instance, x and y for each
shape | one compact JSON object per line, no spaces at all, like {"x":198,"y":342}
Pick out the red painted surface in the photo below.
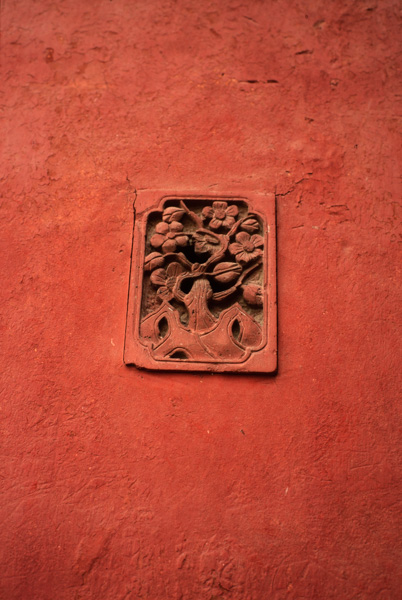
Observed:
{"x":119,"y":483}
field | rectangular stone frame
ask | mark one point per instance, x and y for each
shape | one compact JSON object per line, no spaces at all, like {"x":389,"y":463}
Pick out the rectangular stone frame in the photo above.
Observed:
{"x":136,"y":352}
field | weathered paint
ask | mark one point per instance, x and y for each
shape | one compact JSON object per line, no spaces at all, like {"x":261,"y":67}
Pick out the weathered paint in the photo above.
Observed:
{"x":119,"y":483}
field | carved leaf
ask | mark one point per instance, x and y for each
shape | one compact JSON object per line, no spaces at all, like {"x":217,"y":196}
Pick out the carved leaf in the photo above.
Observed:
{"x":172,"y":213}
{"x":250,"y":225}
{"x":153,"y":260}
{"x":227,"y":272}
{"x":205,"y":243}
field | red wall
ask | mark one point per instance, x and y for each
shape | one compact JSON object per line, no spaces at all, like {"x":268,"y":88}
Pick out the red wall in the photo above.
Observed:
{"x":121,"y":484}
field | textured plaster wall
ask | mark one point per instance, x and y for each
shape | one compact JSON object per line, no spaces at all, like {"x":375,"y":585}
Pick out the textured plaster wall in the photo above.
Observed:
{"x":121,"y":484}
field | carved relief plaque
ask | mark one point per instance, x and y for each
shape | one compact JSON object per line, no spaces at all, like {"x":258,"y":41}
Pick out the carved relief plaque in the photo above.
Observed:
{"x":203,"y":283}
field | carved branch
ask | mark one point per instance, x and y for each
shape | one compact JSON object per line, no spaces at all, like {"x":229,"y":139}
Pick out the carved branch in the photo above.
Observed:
{"x":224,"y":239}
{"x":208,"y":232}
{"x":179,"y":256}
{"x":176,"y":291}
{"x":195,"y":218}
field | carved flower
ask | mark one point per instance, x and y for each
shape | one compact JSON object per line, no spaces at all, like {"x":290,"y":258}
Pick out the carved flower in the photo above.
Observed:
{"x":246,"y":247}
{"x":221,"y":214}
{"x":168,"y":236}
{"x":165,"y":279}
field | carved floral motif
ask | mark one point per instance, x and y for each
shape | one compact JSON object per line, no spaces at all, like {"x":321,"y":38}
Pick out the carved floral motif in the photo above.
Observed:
{"x":200,"y":258}
{"x":221,"y":214}
{"x":246,"y":247}
{"x":168,"y":236}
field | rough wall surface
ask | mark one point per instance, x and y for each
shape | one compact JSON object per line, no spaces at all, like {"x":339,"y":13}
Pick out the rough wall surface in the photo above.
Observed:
{"x":121,"y":484}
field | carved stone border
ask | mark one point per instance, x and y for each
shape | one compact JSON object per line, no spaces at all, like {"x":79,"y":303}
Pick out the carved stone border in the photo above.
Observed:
{"x":262,"y":360}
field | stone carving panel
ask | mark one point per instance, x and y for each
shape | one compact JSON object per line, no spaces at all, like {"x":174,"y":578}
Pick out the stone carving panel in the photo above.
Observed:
{"x":202,"y":295}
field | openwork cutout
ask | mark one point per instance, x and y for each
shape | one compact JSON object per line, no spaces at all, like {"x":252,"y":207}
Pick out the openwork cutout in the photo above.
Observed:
{"x":201,"y":285}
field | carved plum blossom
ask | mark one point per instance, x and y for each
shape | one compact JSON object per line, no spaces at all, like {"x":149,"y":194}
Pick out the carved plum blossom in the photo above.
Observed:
{"x":246,"y":247}
{"x":165,"y":279}
{"x":221,"y":214}
{"x":168,"y":237}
